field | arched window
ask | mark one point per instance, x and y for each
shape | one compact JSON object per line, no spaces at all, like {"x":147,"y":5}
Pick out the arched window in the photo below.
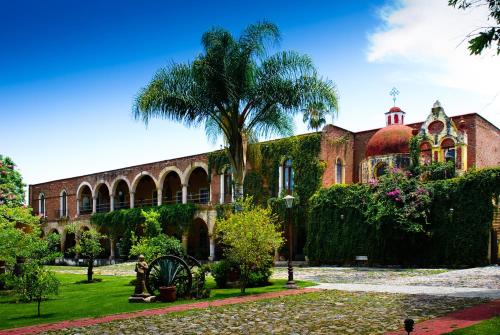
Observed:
{"x":448,"y":150}
{"x":388,"y":119}
{"x":380,"y":170}
{"x":396,"y":118}
{"x":426,"y":153}
{"x":63,"y":210}
{"x":86,"y":204}
{"x":288,"y":176}
{"x":41,"y":204}
{"x":339,"y":169}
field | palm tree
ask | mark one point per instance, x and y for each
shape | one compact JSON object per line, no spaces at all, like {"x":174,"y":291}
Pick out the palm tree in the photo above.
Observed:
{"x":315,"y":115}
{"x":236,"y":91}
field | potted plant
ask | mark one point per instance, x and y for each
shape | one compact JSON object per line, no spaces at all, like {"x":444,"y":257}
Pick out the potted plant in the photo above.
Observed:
{"x":167,"y":274}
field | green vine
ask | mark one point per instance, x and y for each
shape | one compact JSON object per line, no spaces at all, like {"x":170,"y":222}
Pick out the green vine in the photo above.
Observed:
{"x":217,"y":160}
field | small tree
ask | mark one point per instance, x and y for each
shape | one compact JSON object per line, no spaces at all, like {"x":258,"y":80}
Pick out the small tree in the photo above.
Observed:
{"x":251,"y":237}
{"x":11,"y":183}
{"x":88,"y":245}
{"x":36,"y":283}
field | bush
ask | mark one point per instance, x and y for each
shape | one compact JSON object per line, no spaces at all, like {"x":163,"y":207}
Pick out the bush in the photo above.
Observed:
{"x":200,"y":289}
{"x":157,"y":246}
{"x":257,"y":277}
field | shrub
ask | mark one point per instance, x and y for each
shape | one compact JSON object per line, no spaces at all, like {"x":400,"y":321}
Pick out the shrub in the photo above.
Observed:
{"x":257,"y":277}
{"x":157,"y":246}
{"x":251,"y":237}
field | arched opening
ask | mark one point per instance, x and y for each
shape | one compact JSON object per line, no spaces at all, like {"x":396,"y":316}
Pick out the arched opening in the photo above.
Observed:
{"x":172,"y":188}
{"x":54,"y":240}
{"x":448,"y":150}
{"x":85,"y":200}
{"x":122,"y":195}
{"x":396,"y":118}
{"x":288,"y":176}
{"x":198,"y":187}
{"x":145,"y":192}
{"x":41,"y":204}
{"x":106,"y":247}
{"x":63,"y":204}
{"x":198,"y":240}
{"x":426,"y":153}
{"x":380,"y":170}
{"x":102,"y":198}
{"x":69,"y":244}
{"x":339,"y":172}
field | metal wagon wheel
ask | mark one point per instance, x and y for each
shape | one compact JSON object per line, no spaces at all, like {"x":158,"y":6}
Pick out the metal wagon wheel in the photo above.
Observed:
{"x":167,"y":269}
{"x":192,"y":263}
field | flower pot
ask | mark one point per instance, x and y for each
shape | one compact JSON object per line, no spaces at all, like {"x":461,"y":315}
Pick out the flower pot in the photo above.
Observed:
{"x":168,"y":294}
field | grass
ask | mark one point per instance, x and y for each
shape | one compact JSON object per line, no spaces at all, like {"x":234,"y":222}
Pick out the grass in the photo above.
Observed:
{"x":110,"y":296}
{"x":487,"y":327}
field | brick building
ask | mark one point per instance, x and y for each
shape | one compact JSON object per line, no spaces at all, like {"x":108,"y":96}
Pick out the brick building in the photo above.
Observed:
{"x":468,"y":140}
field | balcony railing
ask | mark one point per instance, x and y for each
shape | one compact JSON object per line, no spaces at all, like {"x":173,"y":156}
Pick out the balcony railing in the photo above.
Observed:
{"x":85,"y":210}
{"x":121,"y":205}
{"x":102,"y":208}
{"x":199,"y":198}
{"x":146,"y":202}
{"x":170,"y":201}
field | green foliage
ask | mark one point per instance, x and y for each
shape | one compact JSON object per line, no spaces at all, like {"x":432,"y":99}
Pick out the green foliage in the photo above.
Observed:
{"x":154,"y":247}
{"x":11,"y":183}
{"x":200,"y":290}
{"x":479,"y":41}
{"x":314,"y":115}
{"x":88,"y":244}
{"x":448,"y":224}
{"x":221,"y":271}
{"x":217,"y":161}
{"x":251,"y":237}
{"x":438,"y":171}
{"x":414,"y":147}
{"x":35,"y":284}
{"x":125,"y":223}
{"x":151,"y":223}
{"x":237,"y":91}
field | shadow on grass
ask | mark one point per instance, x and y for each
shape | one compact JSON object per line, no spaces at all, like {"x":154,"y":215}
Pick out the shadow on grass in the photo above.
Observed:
{"x":93,"y":281}
{"x":34,"y":316}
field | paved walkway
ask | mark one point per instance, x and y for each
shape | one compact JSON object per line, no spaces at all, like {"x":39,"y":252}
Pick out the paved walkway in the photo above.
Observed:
{"x":464,"y":292}
{"x":35,"y":329}
{"x":460,"y":319}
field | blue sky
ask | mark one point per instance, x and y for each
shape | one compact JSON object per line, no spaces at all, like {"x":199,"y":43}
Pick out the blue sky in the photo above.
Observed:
{"x":69,"y":70}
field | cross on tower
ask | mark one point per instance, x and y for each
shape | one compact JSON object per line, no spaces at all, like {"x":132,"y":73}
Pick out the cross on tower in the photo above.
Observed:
{"x":394,"y":92}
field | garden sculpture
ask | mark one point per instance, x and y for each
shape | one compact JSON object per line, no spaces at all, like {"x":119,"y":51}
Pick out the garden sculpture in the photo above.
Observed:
{"x":140,"y":268}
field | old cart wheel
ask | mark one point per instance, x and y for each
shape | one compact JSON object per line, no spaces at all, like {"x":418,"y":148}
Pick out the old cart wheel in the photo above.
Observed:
{"x":169,"y":266}
{"x":192,"y":262}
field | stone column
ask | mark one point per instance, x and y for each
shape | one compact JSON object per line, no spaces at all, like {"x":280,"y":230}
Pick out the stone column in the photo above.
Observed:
{"x":132,"y":199}
{"x":77,"y":207}
{"x":280,"y":180}
{"x":221,"y":195}
{"x":185,"y":241}
{"x":160,"y":196}
{"x":94,"y":205}
{"x":111,"y":249}
{"x":212,"y":249}
{"x":184,"y":193}
{"x":112,"y":203}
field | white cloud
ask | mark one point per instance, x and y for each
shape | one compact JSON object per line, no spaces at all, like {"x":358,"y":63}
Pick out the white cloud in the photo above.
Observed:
{"x":427,"y":39}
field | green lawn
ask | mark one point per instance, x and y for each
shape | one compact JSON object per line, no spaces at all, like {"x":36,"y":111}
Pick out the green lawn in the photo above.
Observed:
{"x":488,"y":327}
{"x":76,"y":300}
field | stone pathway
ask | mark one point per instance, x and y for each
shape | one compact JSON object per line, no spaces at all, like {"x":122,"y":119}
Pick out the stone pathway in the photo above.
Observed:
{"x":323,"y":312}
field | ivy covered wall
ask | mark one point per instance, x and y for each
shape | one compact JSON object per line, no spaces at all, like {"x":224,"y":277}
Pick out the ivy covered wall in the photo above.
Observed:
{"x":452,"y":229}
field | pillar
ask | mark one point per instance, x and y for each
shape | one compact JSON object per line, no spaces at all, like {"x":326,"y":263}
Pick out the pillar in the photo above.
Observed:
{"x":185,"y":241}
{"x":111,"y":249}
{"x":77,"y":207}
{"x":94,"y":205}
{"x":212,"y":249}
{"x":111,"y":202}
{"x":132,"y":199}
{"x":184,"y":193}
{"x":159,"y":195}
{"x":280,"y":180}
{"x":221,"y":195}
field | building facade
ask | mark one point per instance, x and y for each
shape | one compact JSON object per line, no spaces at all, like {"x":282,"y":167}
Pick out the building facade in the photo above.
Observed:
{"x":468,"y":140}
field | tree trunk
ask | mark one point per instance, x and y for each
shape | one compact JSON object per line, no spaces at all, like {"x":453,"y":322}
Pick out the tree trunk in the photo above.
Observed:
{"x":39,"y":300}
{"x":90,"y":269}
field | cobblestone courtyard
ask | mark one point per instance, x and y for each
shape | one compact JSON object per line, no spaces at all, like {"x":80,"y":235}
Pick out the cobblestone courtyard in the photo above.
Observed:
{"x":324,"y":312}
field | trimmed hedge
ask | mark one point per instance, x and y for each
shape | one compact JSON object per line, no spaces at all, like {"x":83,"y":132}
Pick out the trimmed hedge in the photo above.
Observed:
{"x":456,"y":233}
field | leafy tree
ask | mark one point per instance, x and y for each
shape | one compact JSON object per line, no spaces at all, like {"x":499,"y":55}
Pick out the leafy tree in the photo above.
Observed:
{"x":237,"y":91}
{"x":153,"y":247}
{"x":11,"y":183}
{"x":88,"y":244}
{"x":35,"y":283}
{"x":478,"y":41}
{"x":251,"y":237}
{"x":315,"y":115}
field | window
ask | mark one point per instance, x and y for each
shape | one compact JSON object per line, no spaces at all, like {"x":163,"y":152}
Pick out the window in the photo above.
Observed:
{"x":204,"y":195}
{"x":288,"y":176}
{"x":339,"y":176}
{"x":396,"y":118}
{"x":63,"y":208}
{"x":380,"y":170}
{"x":86,"y":205}
{"x":388,"y":119}
{"x":227,"y":183}
{"x":41,"y":204}
{"x":425,"y":153}
{"x":448,"y":150}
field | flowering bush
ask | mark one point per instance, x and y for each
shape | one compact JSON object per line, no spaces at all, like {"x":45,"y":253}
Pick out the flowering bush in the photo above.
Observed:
{"x":397,"y":198}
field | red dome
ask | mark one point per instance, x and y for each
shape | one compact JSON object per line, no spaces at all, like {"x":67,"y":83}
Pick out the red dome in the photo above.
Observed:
{"x":393,"y":139}
{"x":395,"y":110}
